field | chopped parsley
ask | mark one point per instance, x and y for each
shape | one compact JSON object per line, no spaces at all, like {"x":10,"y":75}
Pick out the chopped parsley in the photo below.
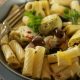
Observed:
{"x":35,"y":20}
{"x":71,"y":15}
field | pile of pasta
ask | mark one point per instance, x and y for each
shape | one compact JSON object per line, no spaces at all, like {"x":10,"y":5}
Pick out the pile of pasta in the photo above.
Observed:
{"x":30,"y":51}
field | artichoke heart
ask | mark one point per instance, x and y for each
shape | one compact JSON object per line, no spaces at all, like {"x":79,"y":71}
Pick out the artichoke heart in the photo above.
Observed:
{"x":49,"y":23}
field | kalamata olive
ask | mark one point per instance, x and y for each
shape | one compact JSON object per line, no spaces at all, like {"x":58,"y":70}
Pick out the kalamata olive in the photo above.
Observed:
{"x":58,"y":33}
{"x":38,"y":41}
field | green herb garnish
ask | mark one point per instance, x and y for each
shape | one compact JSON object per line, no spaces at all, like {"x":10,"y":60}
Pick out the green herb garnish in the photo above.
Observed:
{"x":71,"y":15}
{"x":35,"y":20}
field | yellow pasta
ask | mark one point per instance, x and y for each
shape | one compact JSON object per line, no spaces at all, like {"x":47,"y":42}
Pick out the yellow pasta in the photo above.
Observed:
{"x":45,"y":70}
{"x":4,"y":40}
{"x":38,"y":6}
{"x":56,"y":68}
{"x":10,"y":56}
{"x":75,"y":39}
{"x":52,"y":58}
{"x":75,"y":5}
{"x":28,"y":61}
{"x":71,"y":29}
{"x":38,"y":61}
{"x":57,"y":9}
{"x":18,"y":50}
{"x":62,"y":2}
{"x":67,"y":56}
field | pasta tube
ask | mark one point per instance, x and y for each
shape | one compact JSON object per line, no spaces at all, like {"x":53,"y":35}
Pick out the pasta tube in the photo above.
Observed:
{"x":56,"y":69}
{"x":52,"y":58}
{"x":28,"y":61}
{"x":70,"y":29}
{"x":75,"y":39}
{"x":67,"y":56}
{"x":57,"y":9}
{"x":38,"y":61}
{"x":4,"y":40}
{"x":38,"y":6}
{"x":75,"y":5}
{"x":45,"y":70}
{"x":63,"y":2}
{"x":10,"y":56}
{"x":18,"y":50}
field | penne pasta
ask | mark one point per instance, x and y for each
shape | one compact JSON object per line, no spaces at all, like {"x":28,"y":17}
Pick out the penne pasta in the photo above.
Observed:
{"x":28,"y":61}
{"x":62,"y":2}
{"x":56,"y":69}
{"x":57,"y":9}
{"x":45,"y":70}
{"x":18,"y":50}
{"x":38,"y":61}
{"x":75,"y":5}
{"x":4,"y":40}
{"x":71,"y":29}
{"x":10,"y":56}
{"x":52,"y":58}
{"x":41,"y":7}
{"x":65,"y":57}
{"x":75,"y":39}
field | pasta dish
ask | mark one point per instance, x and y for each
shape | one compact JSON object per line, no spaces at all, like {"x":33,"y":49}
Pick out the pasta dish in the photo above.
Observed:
{"x":45,"y":43}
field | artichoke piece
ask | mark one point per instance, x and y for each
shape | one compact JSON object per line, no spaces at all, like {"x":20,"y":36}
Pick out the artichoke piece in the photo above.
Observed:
{"x":22,"y":34}
{"x":49,"y":23}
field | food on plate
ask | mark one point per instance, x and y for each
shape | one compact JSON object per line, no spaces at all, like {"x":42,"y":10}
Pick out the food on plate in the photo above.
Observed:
{"x":4,"y":40}
{"x":28,"y":62}
{"x":45,"y":70}
{"x":18,"y":50}
{"x":38,"y":61}
{"x":45,"y":43}
{"x":71,"y":29}
{"x":10,"y":56}
{"x":75,"y":39}
{"x":41,"y":7}
{"x":57,"y":9}
{"x":49,"y":23}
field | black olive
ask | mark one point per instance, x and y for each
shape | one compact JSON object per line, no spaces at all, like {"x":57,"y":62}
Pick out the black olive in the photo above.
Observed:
{"x":54,"y":50}
{"x":38,"y":41}
{"x":58,"y":33}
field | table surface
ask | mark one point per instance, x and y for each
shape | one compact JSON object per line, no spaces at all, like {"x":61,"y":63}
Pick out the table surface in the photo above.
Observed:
{"x":5,"y":74}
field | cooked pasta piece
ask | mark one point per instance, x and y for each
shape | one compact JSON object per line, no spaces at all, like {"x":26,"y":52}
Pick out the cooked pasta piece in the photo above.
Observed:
{"x":66,"y":57}
{"x":71,"y":29}
{"x":67,"y":23}
{"x":75,"y":39}
{"x":4,"y":40}
{"x":10,"y":56}
{"x":45,"y":70}
{"x":62,"y":2}
{"x":56,"y":69}
{"x":25,"y":20}
{"x":64,"y":75}
{"x":52,"y":58}
{"x":18,"y":50}
{"x":28,"y":61}
{"x":75,"y":5}
{"x":41,"y":7}
{"x":57,"y":9}
{"x":64,"y":72}
{"x":45,"y":5}
{"x":38,"y":61}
